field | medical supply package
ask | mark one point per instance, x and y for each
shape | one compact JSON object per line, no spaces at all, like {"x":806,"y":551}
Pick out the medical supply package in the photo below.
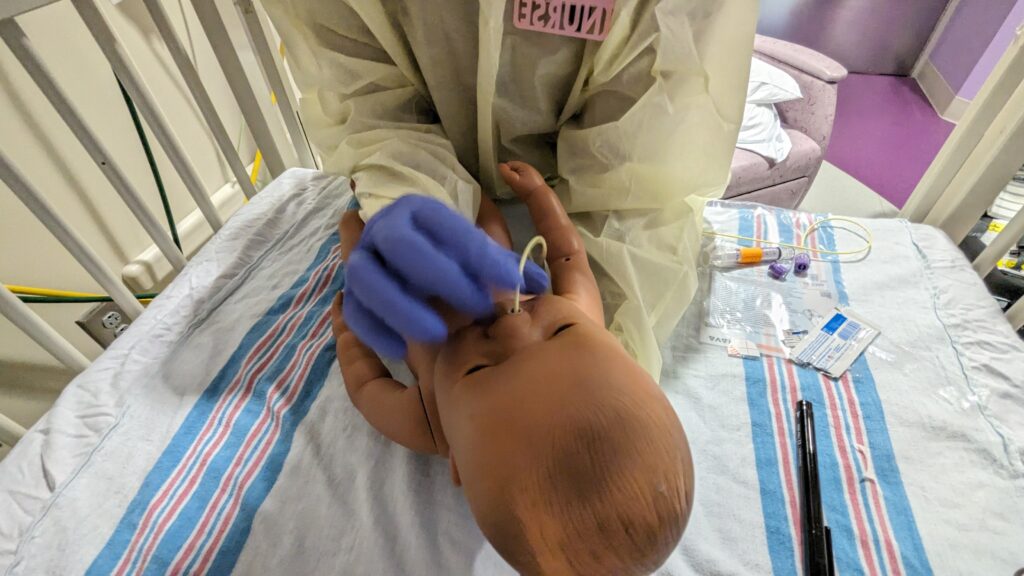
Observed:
{"x":833,"y":346}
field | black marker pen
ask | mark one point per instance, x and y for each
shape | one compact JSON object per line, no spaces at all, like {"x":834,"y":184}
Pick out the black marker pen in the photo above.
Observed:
{"x":817,"y":537}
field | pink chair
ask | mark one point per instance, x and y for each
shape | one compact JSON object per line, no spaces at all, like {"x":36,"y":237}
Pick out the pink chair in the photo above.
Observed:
{"x":808,"y":122}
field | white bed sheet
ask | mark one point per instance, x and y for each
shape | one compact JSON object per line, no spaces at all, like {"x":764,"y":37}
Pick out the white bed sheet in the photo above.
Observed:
{"x":927,"y":473}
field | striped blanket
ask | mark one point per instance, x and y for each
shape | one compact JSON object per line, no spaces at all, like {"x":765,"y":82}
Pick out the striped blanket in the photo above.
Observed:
{"x":866,"y":506}
{"x":919,"y":443}
{"x":216,"y":436}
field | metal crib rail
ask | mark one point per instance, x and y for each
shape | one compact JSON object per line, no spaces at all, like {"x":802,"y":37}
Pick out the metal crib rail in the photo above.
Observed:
{"x":12,"y":8}
{"x":217,"y":33}
{"x":245,"y":96}
{"x":45,"y":213}
{"x":272,"y":73}
{"x":195,"y":85}
{"x":981,"y":155}
{"x":126,"y":71}
{"x":19,"y":44}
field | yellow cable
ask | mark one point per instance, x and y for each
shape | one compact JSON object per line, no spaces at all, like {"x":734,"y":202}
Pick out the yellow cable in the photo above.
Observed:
{"x":33,"y":291}
{"x":802,"y":246}
{"x":256,"y":162}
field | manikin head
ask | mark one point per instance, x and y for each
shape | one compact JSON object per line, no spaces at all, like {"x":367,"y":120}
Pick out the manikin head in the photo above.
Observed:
{"x":571,"y":457}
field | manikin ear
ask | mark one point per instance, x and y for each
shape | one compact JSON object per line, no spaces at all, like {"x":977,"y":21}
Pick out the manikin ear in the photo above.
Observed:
{"x":454,"y":469}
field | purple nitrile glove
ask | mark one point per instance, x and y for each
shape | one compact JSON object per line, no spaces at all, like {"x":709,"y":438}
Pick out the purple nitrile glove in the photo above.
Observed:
{"x":416,"y":249}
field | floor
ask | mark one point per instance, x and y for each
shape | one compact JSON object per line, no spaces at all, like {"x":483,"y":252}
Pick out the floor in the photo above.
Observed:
{"x":839,"y":193}
{"x":886,"y":134}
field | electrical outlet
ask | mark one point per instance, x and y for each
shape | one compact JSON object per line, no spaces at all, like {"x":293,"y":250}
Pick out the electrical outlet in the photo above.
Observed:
{"x":104,"y":322}
{"x":111,"y":320}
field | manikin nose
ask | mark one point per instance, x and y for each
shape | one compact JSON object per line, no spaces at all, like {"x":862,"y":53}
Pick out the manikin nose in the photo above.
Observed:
{"x":512,"y":328}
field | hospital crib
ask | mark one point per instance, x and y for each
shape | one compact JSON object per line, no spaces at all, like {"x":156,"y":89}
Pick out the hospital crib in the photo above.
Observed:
{"x":246,"y":96}
{"x":980,"y":157}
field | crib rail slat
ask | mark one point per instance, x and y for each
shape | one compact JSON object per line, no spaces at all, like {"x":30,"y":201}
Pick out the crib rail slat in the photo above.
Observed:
{"x":19,"y":44}
{"x":1000,"y":245}
{"x":12,"y":8}
{"x":125,"y":69}
{"x":217,"y":33}
{"x":57,"y":226}
{"x":273,"y":73}
{"x":30,"y":323}
{"x":979,"y":118}
{"x":985,"y":173}
{"x":202,"y":98}
{"x":10,"y":431}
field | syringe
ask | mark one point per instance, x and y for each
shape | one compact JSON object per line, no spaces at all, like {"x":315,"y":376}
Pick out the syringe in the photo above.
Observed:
{"x":728,"y":257}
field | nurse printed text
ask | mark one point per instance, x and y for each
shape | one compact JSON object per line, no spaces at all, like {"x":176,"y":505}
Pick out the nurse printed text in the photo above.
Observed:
{"x":590,"y":19}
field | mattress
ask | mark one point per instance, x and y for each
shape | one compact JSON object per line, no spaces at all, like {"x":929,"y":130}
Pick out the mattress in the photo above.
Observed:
{"x":215,"y":436}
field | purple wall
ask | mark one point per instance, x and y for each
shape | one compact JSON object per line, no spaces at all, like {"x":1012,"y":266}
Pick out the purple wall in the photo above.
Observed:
{"x":866,"y":36}
{"x":966,"y":37}
{"x":993,"y":53}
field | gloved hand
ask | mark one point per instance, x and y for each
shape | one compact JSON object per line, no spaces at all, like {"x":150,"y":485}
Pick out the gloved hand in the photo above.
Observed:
{"x":416,"y":249}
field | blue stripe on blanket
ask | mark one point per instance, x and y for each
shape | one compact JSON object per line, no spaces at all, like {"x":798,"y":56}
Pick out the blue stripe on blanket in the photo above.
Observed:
{"x":781,"y":547}
{"x":915,"y":559}
{"x":313,"y":350}
{"x":899,"y":519}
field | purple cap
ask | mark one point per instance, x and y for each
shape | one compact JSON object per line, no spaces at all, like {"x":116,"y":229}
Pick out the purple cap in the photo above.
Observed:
{"x":802,"y":263}
{"x":778,"y":270}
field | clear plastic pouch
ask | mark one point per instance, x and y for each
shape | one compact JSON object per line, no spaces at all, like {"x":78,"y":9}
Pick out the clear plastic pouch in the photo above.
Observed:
{"x":745,"y":304}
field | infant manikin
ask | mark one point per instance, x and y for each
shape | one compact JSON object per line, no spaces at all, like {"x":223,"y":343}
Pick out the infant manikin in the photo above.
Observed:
{"x":570,"y":456}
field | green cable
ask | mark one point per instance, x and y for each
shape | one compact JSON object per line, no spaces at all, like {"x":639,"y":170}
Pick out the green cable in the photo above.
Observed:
{"x":30,"y":299}
{"x":76,"y":299}
{"x":152,"y":162}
